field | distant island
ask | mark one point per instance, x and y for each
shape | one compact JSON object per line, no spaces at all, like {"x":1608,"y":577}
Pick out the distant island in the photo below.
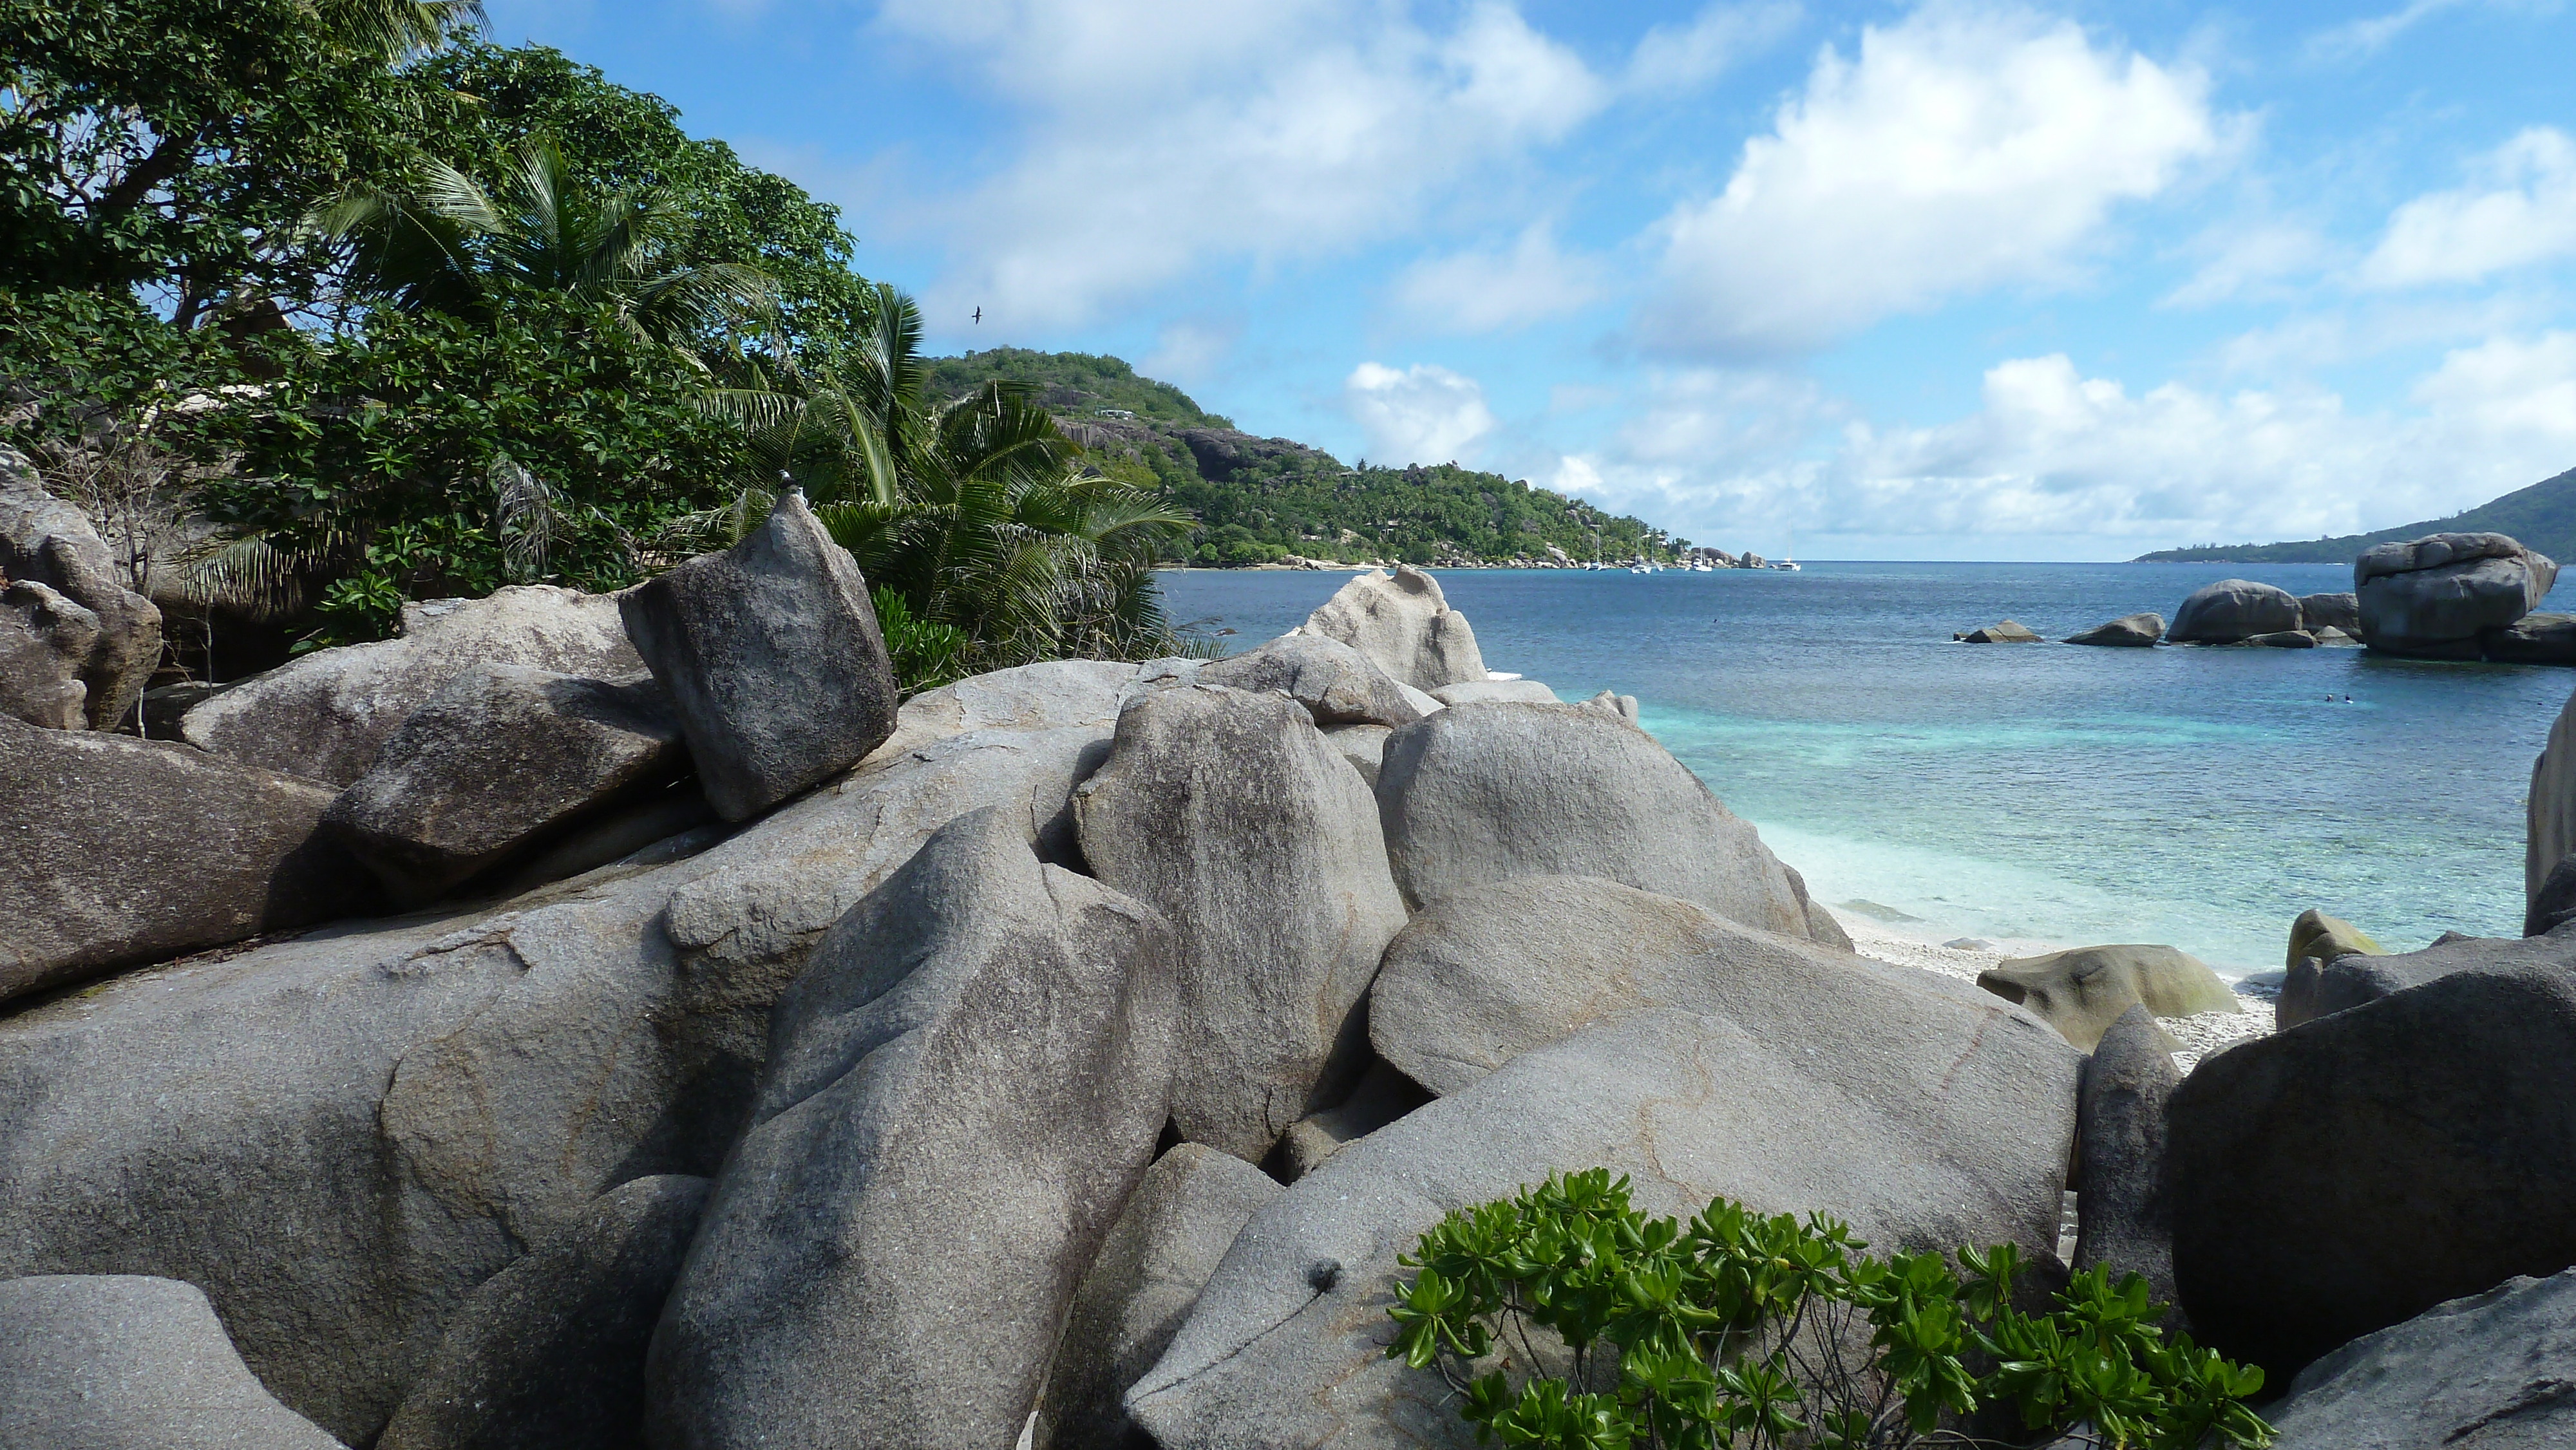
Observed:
{"x":2542,"y":516}
{"x":1266,"y":500}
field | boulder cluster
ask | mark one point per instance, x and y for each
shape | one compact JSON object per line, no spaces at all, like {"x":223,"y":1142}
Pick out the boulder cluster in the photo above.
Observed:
{"x":1065,"y":1057}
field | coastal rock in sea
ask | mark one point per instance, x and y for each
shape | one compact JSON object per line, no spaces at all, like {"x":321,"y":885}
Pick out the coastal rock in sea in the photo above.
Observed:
{"x":47,"y":541}
{"x":1623,"y":706}
{"x":1230,"y":814}
{"x":2555,"y":903}
{"x":129,"y":850}
{"x":2122,"y":1216}
{"x":1364,"y":746}
{"x":549,"y":1353}
{"x":1476,"y":692}
{"x":1337,"y":684}
{"x":2008,"y":632}
{"x":2331,"y":637}
{"x":124,"y":1362}
{"x":2483,"y":1373}
{"x":324,"y":715}
{"x":773,"y":660}
{"x":2232,"y":610}
{"x":1383,"y":1095}
{"x":2534,"y":639}
{"x":2319,"y":612}
{"x":44,"y":640}
{"x":2324,"y":937}
{"x":2317,"y":987}
{"x":504,"y":757}
{"x":962,"y":1090}
{"x":1166,"y":1243}
{"x":2081,"y":992}
{"x":2436,"y":595}
{"x":1490,"y":792}
{"x":1927,"y":1124}
{"x":1050,"y":695}
{"x":2133,"y":630}
{"x":2354,"y":1172}
{"x":2285,"y":639}
{"x":1404,"y":624}
{"x":2550,"y":806}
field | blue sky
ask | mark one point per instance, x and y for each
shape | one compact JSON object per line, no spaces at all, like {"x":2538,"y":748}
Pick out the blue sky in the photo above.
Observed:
{"x":1951,"y":280}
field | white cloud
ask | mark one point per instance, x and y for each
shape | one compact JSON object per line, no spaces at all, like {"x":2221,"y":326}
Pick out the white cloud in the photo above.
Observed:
{"x":1162,"y":135}
{"x":2520,"y":209}
{"x":1962,"y":149}
{"x":2369,"y":35}
{"x":1421,"y":414}
{"x":1490,"y":291}
{"x":2250,"y":261}
{"x":1673,"y":58}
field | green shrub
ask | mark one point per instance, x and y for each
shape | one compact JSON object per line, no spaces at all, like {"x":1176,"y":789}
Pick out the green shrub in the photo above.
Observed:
{"x":1741,"y":1330}
{"x":927,"y":654}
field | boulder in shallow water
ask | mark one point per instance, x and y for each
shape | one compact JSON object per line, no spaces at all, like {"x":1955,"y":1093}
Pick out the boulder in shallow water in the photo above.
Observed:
{"x":2136,"y":631}
{"x":2436,"y":595}
{"x":1337,"y":684}
{"x":44,"y":640}
{"x":2555,"y":903}
{"x":2489,"y":1372}
{"x":2008,"y":632}
{"x":2330,"y":611}
{"x":1623,"y":706}
{"x":2082,"y":991}
{"x":1404,"y":624}
{"x":2549,"y":821}
{"x":46,"y":541}
{"x":125,"y":1362}
{"x":2534,"y":639}
{"x":2232,"y":610}
{"x":2284,"y":639}
{"x":2324,"y":937}
{"x":2123,"y":1218}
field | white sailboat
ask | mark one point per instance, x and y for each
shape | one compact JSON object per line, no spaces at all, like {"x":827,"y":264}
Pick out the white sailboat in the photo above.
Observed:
{"x":1786,"y":549}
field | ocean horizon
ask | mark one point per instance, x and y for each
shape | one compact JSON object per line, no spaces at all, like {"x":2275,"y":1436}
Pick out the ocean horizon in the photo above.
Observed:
{"x":2032,"y":795}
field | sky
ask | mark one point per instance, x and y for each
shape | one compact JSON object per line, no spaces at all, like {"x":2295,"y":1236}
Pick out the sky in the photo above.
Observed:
{"x":1872,"y":281}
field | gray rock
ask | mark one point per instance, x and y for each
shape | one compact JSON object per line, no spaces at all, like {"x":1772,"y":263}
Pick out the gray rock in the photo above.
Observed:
{"x":324,"y":715}
{"x":2123,"y":1218}
{"x":128,"y":850}
{"x":2324,"y":937}
{"x":2133,"y":630}
{"x":504,"y":757}
{"x":122,"y":1362}
{"x":1476,"y":692}
{"x":1157,"y":1258}
{"x":962,"y":1090}
{"x":1337,"y":684}
{"x":771,"y":654}
{"x":2550,"y":809}
{"x":612,"y":836}
{"x":2330,"y":611}
{"x":1489,"y":792}
{"x":2483,"y":1373}
{"x":549,"y":1353}
{"x":2331,"y":637}
{"x":1491,"y":972}
{"x":2232,"y":610}
{"x":2435,"y":595}
{"x":2009,"y":632}
{"x":1364,"y":746}
{"x":45,"y":639}
{"x":1623,"y":706}
{"x":2317,"y":986}
{"x":1051,"y":695}
{"x":1229,"y":813}
{"x":1404,"y":624}
{"x":2284,"y":639}
{"x":2083,"y":991}
{"x":1930,"y":1124}
{"x":46,"y":541}
{"x":2358,"y":1169}
{"x":2555,"y":903}
{"x":2534,"y":639}
{"x":1383,"y":1095}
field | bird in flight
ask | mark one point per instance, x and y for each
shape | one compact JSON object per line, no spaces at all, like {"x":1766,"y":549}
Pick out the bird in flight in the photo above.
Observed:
{"x":979,"y":314}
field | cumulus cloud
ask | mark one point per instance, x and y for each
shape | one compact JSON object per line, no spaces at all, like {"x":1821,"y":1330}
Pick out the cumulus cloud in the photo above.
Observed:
{"x":2520,"y":208}
{"x":1421,"y":414}
{"x":1496,"y":289}
{"x":1959,"y":150}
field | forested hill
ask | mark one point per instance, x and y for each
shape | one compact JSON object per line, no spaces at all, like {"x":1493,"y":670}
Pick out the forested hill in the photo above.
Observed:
{"x":2542,"y":516}
{"x":1261,"y":499}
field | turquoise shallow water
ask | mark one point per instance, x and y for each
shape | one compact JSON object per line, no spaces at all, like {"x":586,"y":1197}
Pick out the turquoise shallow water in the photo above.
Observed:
{"x":2194,"y":796}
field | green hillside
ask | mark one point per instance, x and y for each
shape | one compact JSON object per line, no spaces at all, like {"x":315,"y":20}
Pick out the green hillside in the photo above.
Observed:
{"x":2542,"y":516}
{"x":1261,"y":499}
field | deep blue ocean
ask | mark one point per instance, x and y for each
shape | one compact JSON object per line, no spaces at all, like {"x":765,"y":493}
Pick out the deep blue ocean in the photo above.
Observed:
{"x":2033,"y":793}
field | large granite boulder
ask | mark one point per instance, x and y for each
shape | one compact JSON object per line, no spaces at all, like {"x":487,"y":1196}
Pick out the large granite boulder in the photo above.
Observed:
{"x":1404,"y":624}
{"x":46,"y":541}
{"x":2317,"y":986}
{"x":44,"y":640}
{"x":962,"y":1090}
{"x":324,"y":716}
{"x":2081,"y":992}
{"x":2555,"y":904}
{"x":1336,"y":683}
{"x":1364,"y":746}
{"x":504,"y":758}
{"x":1051,"y":695}
{"x":2360,"y":1168}
{"x":2330,"y":611}
{"x":1487,"y":792}
{"x":1158,"y":1256}
{"x":772,"y":656}
{"x":1229,"y":813}
{"x":1478,"y":692}
{"x":128,"y":850}
{"x":2550,"y":809}
{"x":1929,"y":1125}
{"x":2325,"y":938}
{"x":2232,"y":610}
{"x":2435,"y":596}
{"x":2136,"y":631}
{"x":2534,"y":639}
{"x":1488,"y":973}
{"x":123,"y":1362}
{"x":2483,"y":1373}
{"x":2282,"y":639}
{"x":549,"y":1353}
{"x":2122,"y":1213}
{"x":2010,"y":631}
